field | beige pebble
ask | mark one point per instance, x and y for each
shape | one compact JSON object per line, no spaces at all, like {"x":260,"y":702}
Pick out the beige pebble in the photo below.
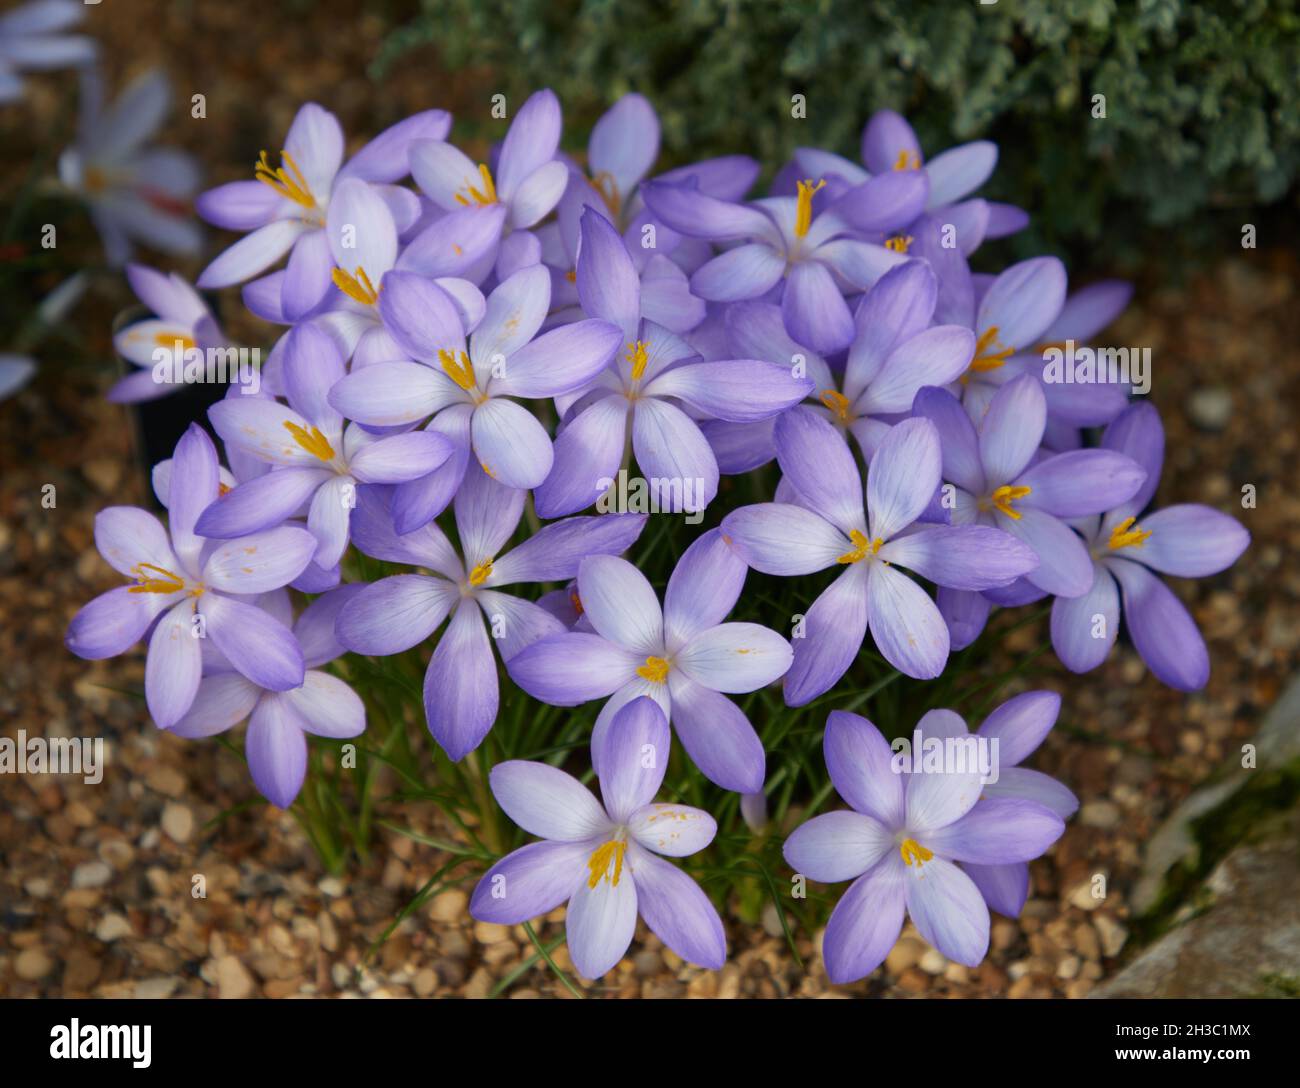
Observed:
{"x":177,"y":822}
{"x":907,"y":952}
{"x":233,"y":979}
{"x":425,"y":982}
{"x":112,"y":927}
{"x":91,"y":874}
{"x":450,"y":906}
{"x":32,"y":964}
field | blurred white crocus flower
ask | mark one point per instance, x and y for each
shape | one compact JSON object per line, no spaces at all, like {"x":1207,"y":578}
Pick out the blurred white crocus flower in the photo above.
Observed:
{"x":32,"y":39}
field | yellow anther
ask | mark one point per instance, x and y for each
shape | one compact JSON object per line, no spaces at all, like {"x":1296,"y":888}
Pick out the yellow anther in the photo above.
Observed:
{"x":985,"y":358}
{"x":289,"y":183}
{"x":312,"y":441}
{"x":1128,"y":535}
{"x":837,"y":403}
{"x":576,"y":601}
{"x":913,"y":851}
{"x":899,"y":243}
{"x":907,"y":160}
{"x":171,"y":339}
{"x":481,"y":573}
{"x":803,"y":209}
{"x":655,"y":670}
{"x":862,"y":547}
{"x":607,"y":187}
{"x":484,"y":196}
{"x":571,"y":275}
{"x":166,"y":582}
{"x":636,"y":355}
{"x":600,"y":860}
{"x":356,"y":287}
{"x":1005,"y":495}
{"x":458,"y":368}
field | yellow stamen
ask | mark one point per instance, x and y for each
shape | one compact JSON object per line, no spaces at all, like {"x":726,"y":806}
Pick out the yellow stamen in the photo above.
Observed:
{"x":171,"y":339}
{"x":913,"y":851}
{"x":146,"y":583}
{"x":571,"y":275}
{"x":803,"y":209}
{"x":862,"y":547}
{"x":636,"y":355}
{"x":312,"y":441}
{"x":356,"y":287}
{"x":576,"y":601}
{"x":1005,"y":495}
{"x":460,"y":370}
{"x":607,"y":187}
{"x":655,"y":670}
{"x":907,"y":161}
{"x":288,"y":183}
{"x":482,"y":197}
{"x":899,"y":243}
{"x":984,"y":358}
{"x":1128,"y":535}
{"x":837,"y":403}
{"x":481,"y":573}
{"x":600,"y":860}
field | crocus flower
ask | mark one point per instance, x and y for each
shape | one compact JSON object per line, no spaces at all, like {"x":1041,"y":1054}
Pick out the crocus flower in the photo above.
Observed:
{"x":832,"y":527}
{"x":683,"y":656}
{"x":816,"y":255}
{"x":641,"y":388}
{"x":900,"y":845}
{"x":187,"y":589}
{"x":999,"y":479}
{"x":286,"y":207}
{"x":33,"y":39}
{"x":181,"y":323}
{"x":1187,"y":541}
{"x":468,"y":388}
{"x":394,"y":614}
{"x":605,"y":858}
{"x":279,"y":721}
{"x":528,"y":181}
{"x":135,"y":192}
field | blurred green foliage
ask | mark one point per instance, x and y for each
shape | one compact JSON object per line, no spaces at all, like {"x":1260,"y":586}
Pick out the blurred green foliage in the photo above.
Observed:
{"x":1202,"y":98}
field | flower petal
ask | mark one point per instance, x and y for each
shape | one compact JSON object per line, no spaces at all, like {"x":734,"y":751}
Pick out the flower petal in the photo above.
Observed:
{"x":254,"y":642}
{"x":529,"y":882}
{"x":865,"y":924}
{"x":948,"y":910}
{"x":174,"y":666}
{"x":716,"y":735}
{"x":460,"y":686}
{"x":903,"y":476}
{"x":677,"y":910}
{"x":1161,"y":627}
{"x":837,"y":846}
{"x":829,"y":638}
{"x":735,"y":657}
{"x":905,"y":623}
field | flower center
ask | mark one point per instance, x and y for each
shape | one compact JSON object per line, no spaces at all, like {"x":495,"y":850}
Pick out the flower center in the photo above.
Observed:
{"x":481,"y":573}
{"x":636,"y":355}
{"x":287,"y":180}
{"x":607,"y":855}
{"x":607,"y":187}
{"x":913,"y":851}
{"x":985,"y":358}
{"x":458,"y":368}
{"x":576,"y":601}
{"x":1004,"y":496}
{"x":862,"y":547}
{"x":1128,"y":535}
{"x":655,"y":670}
{"x":484,"y":196}
{"x":803,"y":209}
{"x":837,"y":402}
{"x":151,"y":579}
{"x":312,"y":441}
{"x":172,"y":339}
{"x":899,"y":243}
{"x":356,"y":286}
{"x":907,"y":160}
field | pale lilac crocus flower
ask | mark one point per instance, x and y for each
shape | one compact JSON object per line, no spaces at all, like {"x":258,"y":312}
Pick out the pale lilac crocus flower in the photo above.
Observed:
{"x":320,"y":459}
{"x":189,"y":589}
{"x":1188,"y":540}
{"x":900,"y":844}
{"x":286,"y":207}
{"x":643,"y":388}
{"x":394,"y":614}
{"x":279,"y":721}
{"x":181,"y":323}
{"x":682,"y":655}
{"x":605,"y":858}
{"x":833,"y":527}
{"x":33,"y":38}
{"x":135,"y":192}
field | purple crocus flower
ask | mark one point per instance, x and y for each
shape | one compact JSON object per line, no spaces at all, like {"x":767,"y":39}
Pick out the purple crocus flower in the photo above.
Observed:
{"x":605,"y":858}
{"x":135,"y":192}
{"x":320,"y":462}
{"x":394,"y":614}
{"x":900,"y":845}
{"x":683,"y":656}
{"x":279,"y":721}
{"x":181,"y":323}
{"x":816,"y":255}
{"x":657,"y":370}
{"x":468,"y":388}
{"x":999,"y":478}
{"x":1018,"y":726}
{"x":188,"y":589}
{"x":832,"y":527}
{"x":286,"y":208}
{"x":1188,"y":541}
{"x":33,"y":39}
